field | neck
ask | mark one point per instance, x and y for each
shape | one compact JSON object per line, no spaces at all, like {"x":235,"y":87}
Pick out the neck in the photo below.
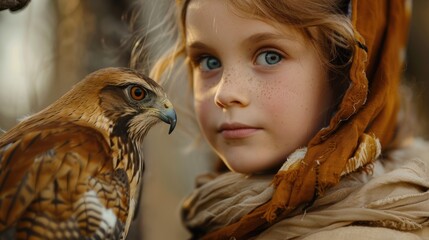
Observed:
{"x":127,"y":155}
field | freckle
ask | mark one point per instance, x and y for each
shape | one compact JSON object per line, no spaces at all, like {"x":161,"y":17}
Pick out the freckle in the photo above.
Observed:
{"x":226,"y":78}
{"x":269,"y":93}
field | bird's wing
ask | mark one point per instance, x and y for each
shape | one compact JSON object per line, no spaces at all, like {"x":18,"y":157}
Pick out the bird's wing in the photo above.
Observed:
{"x":55,"y":172}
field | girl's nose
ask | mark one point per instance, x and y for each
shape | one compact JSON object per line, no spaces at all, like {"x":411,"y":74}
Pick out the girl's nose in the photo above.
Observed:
{"x":231,"y":91}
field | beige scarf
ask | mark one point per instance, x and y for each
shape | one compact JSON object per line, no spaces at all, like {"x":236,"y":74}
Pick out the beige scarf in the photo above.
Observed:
{"x":395,"y":196}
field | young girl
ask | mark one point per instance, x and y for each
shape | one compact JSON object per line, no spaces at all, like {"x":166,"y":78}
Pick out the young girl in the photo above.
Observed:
{"x":300,"y":100}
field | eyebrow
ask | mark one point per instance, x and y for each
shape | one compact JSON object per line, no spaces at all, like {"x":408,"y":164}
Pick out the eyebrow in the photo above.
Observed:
{"x":197,"y":45}
{"x":258,"y":37}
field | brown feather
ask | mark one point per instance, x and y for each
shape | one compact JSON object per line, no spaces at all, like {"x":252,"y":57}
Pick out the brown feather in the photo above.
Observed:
{"x":74,"y":170}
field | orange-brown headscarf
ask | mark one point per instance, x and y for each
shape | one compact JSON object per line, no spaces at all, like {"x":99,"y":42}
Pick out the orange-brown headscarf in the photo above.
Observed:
{"x":367,"y":113}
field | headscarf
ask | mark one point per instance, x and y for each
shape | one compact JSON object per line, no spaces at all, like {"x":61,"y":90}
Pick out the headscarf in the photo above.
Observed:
{"x":366,"y":119}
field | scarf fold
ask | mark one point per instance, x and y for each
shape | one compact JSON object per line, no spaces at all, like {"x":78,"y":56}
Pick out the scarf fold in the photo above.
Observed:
{"x":395,"y":195}
{"x":369,"y":108}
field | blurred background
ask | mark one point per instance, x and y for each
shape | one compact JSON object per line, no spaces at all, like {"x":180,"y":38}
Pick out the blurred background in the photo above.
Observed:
{"x":51,"y":44}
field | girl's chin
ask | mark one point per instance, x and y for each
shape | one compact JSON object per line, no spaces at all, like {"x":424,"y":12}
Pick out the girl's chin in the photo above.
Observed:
{"x":247,"y":165}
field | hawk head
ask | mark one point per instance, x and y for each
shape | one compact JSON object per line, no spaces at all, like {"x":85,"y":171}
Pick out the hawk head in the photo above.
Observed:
{"x":121,"y":101}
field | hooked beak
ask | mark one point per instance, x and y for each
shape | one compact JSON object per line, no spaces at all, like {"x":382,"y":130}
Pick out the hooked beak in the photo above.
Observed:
{"x":168,"y":115}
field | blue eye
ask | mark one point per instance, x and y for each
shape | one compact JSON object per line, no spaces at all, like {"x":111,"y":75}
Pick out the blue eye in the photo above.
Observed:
{"x":208,"y":63}
{"x":268,"y":58}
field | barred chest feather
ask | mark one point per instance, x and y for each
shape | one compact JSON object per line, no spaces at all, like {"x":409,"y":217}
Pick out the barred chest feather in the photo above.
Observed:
{"x":128,"y":160}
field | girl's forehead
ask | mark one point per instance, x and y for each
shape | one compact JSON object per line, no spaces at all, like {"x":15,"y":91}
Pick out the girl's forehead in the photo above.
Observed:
{"x":218,"y":17}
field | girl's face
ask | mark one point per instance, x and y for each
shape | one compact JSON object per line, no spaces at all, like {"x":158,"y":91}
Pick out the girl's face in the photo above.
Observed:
{"x":260,"y":93}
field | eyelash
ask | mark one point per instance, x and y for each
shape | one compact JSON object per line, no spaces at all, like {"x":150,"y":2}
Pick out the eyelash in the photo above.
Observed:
{"x":268,"y":51}
{"x":198,"y":60}
{"x":207,"y":58}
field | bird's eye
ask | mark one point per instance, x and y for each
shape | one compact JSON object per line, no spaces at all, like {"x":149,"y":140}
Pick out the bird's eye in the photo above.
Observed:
{"x":137,"y":93}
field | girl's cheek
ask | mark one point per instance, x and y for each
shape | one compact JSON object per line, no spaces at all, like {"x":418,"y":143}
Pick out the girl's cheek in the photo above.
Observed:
{"x":273,"y":93}
{"x":203,"y":112}
{"x":203,"y":88}
{"x":204,"y":92}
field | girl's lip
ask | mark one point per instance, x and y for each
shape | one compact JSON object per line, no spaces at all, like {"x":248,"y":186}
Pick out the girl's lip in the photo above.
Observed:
{"x":236,"y":130}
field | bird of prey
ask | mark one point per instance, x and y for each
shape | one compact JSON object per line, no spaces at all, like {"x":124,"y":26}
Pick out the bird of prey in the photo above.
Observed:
{"x":74,"y":170}
{"x":13,"y":5}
